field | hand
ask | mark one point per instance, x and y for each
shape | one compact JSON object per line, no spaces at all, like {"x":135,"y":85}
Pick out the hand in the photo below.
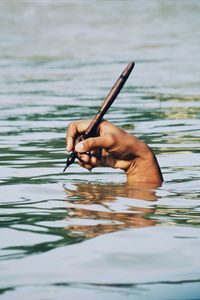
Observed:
{"x":113,"y":147}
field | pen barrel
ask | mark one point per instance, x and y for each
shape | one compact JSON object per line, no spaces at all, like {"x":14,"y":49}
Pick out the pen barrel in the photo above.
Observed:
{"x":71,"y":158}
{"x":115,"y":90}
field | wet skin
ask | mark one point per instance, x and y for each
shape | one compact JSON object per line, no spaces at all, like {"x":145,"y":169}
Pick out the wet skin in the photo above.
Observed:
{"x":114,"y":147}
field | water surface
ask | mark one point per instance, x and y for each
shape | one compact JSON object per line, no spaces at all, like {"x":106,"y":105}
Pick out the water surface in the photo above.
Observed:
{"x":90,"y":235}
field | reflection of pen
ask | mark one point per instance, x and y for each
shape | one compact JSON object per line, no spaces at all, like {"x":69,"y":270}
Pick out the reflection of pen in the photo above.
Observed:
{"x":103,"y":109}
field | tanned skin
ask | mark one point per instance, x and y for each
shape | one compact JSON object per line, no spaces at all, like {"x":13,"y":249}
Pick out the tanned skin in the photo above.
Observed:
{"x":115,"y":148}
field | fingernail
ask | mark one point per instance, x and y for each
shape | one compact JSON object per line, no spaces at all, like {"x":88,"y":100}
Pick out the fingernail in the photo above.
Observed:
{"x":80,"y":147}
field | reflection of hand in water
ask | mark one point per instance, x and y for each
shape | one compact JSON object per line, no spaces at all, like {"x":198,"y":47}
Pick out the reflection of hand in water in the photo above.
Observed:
{"x":103,"y":204}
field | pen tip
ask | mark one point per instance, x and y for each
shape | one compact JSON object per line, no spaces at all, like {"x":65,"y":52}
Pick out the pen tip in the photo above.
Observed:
{"x":65,"y":169}
{"x":131,"y":64}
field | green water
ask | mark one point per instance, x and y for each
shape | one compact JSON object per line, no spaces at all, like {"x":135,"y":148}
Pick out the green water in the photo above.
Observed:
{"x":84,"y":235}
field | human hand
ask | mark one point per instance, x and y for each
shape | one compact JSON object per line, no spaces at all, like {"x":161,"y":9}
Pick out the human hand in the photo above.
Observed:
{"x":113,"y":147}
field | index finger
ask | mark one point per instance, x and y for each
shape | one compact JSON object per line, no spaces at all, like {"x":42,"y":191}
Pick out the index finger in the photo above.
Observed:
{"x":75,"y":129}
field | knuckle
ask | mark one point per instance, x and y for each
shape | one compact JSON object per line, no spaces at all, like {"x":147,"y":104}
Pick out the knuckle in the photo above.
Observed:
{"x":71,"y":125}
{"x":112,"y":138}
{"x":90,"y":143}
{"x":94,"y":142}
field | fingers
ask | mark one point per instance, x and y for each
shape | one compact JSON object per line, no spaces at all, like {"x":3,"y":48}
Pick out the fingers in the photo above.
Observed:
{"x":88,"y":161}
{"x":93,"y":145}
{"x":78,"y":127}
{"x":106,"y":141}
{"x":85,"y":158}
{"x":75,"y":129}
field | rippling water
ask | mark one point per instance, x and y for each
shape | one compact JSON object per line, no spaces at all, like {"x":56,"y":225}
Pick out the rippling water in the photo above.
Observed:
{"x":90,"y":235}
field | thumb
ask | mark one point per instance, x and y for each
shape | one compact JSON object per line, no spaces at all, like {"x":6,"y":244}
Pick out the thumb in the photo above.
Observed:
{"x":104,"y":141}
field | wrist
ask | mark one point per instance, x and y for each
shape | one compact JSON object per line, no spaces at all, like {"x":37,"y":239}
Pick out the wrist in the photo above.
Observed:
{"x":144,"y":168}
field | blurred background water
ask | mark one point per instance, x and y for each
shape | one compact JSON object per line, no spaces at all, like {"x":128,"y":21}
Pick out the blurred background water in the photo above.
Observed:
{"x":88,"y":235}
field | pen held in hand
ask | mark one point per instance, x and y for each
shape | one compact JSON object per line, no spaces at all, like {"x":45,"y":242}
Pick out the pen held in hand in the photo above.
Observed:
{"x":115,"y":90}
